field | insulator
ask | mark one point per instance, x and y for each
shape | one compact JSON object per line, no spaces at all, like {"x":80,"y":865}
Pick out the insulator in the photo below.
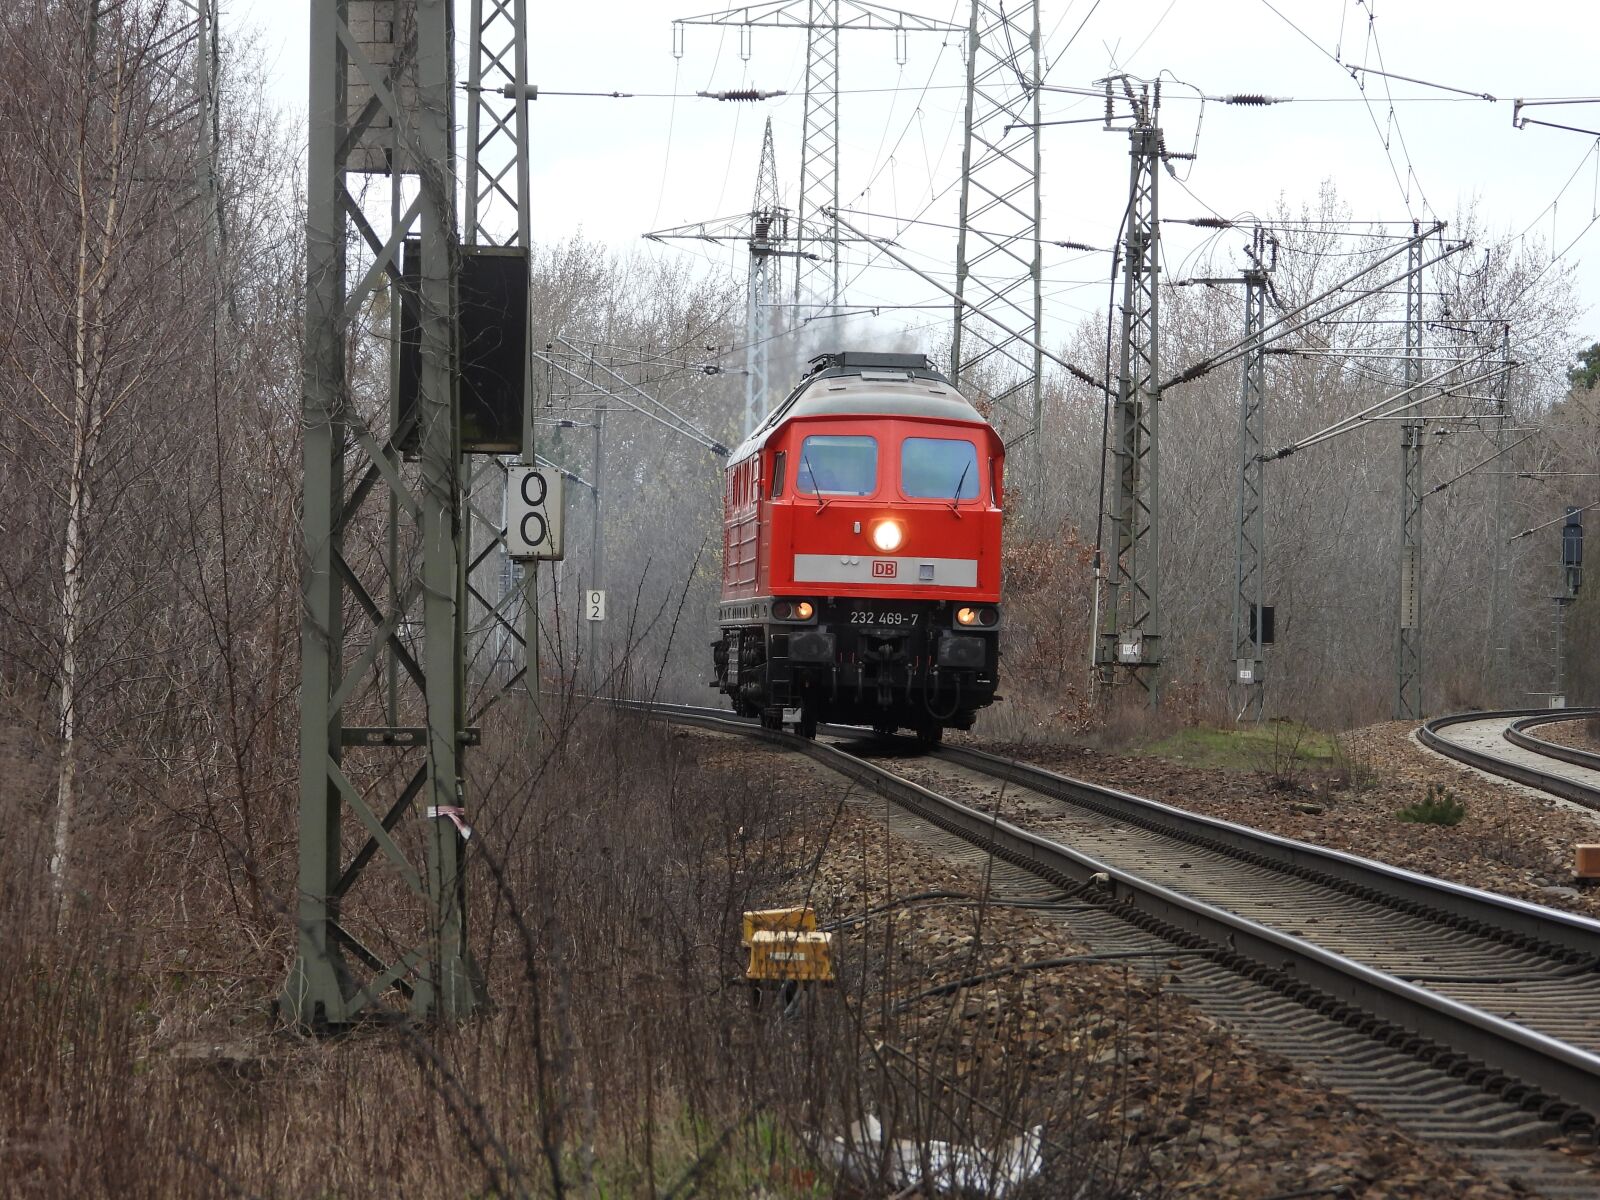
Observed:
{"x":740,"y":94}
{"x":1254,"y":98}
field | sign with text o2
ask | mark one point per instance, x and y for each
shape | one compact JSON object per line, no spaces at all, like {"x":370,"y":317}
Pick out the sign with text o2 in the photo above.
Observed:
{"x":534,"y":506}
{"x":594,"y":605}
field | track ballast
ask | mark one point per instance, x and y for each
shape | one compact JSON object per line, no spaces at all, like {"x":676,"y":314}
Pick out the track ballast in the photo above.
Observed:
{"x":1495,"y":991}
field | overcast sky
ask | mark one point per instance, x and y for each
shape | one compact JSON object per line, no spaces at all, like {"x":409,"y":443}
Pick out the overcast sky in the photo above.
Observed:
{"x":614,"y":169}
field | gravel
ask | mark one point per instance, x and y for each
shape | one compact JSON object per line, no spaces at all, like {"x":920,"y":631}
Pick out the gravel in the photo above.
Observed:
{"x":1581,"y":734}
{"x":1511,"y":841}
{"x":1125,"y":1071}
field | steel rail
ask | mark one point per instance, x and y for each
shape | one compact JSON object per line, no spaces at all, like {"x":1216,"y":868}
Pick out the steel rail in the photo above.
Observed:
{"x":1517,"y":734}
{"x":1568,"y":789}
{"x":1540,"y":1072}
{"x":1365,"y":877}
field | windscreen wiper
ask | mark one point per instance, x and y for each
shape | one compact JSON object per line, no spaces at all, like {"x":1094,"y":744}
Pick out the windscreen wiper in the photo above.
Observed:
{"x":816,"y":487}
{"x":955,"y":501}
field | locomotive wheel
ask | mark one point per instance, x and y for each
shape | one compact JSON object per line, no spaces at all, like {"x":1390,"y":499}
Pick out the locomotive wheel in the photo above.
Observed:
{"x":930,"y":735}
{"x":807,"y":728}
{"x":772,"y":718}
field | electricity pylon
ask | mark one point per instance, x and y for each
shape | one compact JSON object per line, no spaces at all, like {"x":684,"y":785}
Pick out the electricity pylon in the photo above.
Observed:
{"x":997,"y":246}
{"x":208,"y":117}
{"x":382,"y":99}
{"x":198,"y":37}
{"x":816,"y":277}
{"x":1499,"y":591}
{"x":1129,"y":643}
{"x":498,"y":220}
{"x":1408,"y":624}
{"x":1250,"y":541}
{"x":1249,"y":628}
{"x":768,"y":231}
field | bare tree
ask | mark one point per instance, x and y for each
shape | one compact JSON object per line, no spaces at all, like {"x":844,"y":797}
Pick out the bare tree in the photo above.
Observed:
{"x":99,"y":221}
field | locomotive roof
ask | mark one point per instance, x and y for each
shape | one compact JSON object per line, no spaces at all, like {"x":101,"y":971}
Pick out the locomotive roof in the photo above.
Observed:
{"x":847,"y":388}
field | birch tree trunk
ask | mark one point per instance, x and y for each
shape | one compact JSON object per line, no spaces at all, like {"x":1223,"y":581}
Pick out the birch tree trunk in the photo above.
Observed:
{"x":98,"y":235}
{"x":72,"y":558}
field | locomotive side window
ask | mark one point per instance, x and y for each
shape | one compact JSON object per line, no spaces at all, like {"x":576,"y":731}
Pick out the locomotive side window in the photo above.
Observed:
{"x":837,"y":465}
{"x":778,"y":463}
{"x":938,"y":469}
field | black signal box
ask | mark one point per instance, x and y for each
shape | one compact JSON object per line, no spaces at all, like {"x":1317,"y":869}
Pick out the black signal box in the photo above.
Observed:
{"x":1572,"y":549}
{"x":1263,"y":623}
{"x":492,"y":336}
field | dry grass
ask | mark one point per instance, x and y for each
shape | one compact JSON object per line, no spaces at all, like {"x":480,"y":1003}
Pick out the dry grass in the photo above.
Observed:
{"x":621,"y":1058}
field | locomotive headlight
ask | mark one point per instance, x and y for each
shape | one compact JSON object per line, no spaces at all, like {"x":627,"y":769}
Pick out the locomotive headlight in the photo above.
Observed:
{"x":803,"y":610}
{"x":887,"y":536}
{"x":967,"y":616}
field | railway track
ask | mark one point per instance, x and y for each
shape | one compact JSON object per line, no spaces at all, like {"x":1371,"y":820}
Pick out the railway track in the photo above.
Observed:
{"x":1501,"y":743}
{"x":1470,"y":1016}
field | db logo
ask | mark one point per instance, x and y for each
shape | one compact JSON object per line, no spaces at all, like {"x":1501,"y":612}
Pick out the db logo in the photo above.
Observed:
{"x":884,"y":568}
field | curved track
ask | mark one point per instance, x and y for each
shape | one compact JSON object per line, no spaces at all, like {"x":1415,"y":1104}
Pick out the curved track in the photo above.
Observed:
{"x":1499,"y":743}
{"x":1517,"y":734}
{"x":1495,"y":991}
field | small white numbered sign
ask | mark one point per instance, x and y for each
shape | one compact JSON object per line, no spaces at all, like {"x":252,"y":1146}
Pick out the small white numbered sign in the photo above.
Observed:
{"x":594,"y":605}
{"x":534,"y":500}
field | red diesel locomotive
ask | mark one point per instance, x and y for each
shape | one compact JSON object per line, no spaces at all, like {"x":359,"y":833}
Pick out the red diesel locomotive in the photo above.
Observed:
{"x":861,"y":553}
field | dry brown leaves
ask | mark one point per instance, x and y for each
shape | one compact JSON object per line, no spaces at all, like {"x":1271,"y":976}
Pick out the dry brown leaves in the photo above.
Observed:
{"x":1128,"y":1068}
{"x":1511,"y":841}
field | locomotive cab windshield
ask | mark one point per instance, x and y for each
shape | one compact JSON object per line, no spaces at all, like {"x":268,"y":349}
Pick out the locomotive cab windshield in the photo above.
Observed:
{"x":938,"y":469}
{"x":838,"y":465}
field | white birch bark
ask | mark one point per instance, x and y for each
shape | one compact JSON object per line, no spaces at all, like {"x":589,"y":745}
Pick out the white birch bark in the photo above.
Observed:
{"x":97,"y":242}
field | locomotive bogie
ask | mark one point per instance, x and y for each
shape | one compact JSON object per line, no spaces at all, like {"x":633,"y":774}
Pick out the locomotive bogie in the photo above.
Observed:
{"x":907,"y":664}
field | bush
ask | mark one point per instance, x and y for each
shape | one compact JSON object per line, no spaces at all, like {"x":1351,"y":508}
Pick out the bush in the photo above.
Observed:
{"x":1353,"y":770}
{"x":1438,"y":807}
{"x":622,"y":1056}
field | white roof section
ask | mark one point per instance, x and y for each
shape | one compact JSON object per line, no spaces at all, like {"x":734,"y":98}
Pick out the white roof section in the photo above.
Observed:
{"x":869,"y":393}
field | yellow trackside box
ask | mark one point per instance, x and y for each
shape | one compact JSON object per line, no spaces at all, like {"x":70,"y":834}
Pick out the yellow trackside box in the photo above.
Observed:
{"x":781,"y":954}
{"x":784,"y":945}
{"x":799,"y":919}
